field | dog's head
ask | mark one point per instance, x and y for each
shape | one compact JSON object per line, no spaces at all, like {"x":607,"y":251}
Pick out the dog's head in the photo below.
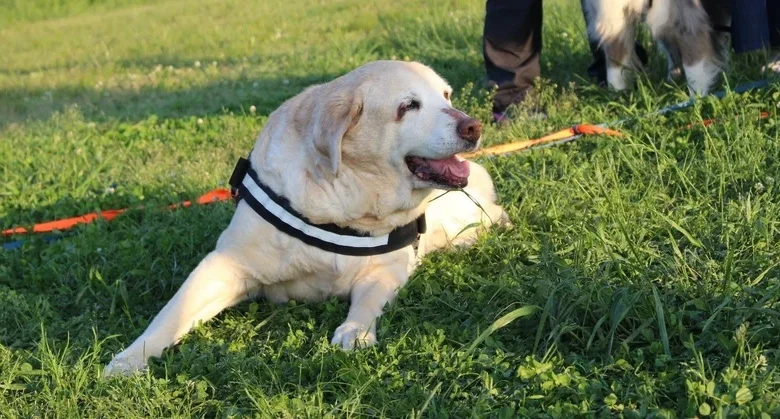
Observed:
{"x":392,"y":121}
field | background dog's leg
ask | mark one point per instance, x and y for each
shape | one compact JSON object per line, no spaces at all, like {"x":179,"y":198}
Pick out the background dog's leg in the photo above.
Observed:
{"x":689,"y":25}
{"x":673,"y":58}
{"x":217,"y":282}
{"x":621,"y":60}
{"x":613,"y":25}
{"x":618,"y":43}
{"x":368,"y":297}
{"x":700,"y":62}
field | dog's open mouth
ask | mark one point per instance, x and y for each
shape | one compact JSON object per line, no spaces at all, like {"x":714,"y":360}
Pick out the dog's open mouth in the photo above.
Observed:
{"x":452,"y":172}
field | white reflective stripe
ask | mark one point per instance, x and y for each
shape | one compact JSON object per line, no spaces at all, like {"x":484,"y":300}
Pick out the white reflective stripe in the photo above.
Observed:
{"x":309,"y":230}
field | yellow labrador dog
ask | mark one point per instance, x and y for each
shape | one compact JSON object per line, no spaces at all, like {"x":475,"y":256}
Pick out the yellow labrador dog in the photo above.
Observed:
{"x":331,"y":201}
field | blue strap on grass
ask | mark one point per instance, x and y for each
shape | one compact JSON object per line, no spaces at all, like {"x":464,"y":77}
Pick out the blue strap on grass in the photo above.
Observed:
{"x":17,"y":244}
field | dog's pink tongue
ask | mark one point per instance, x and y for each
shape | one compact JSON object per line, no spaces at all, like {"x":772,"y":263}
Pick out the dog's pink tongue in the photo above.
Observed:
{"x":453,"y":165}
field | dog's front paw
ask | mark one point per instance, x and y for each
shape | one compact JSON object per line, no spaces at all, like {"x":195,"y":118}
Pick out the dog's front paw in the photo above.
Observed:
{"x":351,"y":334}
{"x":505,"y":222}
{"x":123,"y":364}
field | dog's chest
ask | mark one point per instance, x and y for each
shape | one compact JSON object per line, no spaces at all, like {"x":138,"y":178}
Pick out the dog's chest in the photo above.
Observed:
{"x":283,"y":268}
{"x":335,"y":276}
{"x":315,"y":279}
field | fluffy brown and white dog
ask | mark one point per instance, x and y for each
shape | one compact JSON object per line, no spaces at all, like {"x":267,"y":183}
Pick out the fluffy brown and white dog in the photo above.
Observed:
{"x":366,"y":152}
{"x":691,"y":32}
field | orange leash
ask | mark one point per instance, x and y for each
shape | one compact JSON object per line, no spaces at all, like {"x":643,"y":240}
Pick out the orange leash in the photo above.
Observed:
{"x":215,"y":195}
{"x":568,"y":133}
{"x":571,"y":132}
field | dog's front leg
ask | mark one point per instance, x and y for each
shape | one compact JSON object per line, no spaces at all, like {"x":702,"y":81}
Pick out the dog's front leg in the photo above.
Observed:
{"x":368,"y":297}
{"x":218,"y":282}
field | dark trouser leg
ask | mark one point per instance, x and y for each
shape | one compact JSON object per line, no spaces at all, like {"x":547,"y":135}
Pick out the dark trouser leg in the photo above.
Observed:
{"x":749,"y":29}
{"x":773,"y":13}
{"x":511,"y":46}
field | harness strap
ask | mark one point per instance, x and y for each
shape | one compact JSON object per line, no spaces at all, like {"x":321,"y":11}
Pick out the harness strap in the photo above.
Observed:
{"x":239,"y":172}
{"x":275,"y":209}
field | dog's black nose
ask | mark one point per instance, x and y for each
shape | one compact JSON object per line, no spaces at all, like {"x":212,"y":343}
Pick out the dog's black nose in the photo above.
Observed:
{"x":469,"y":129}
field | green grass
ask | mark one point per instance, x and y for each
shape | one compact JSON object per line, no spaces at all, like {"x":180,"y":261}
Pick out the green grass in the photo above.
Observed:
{"x":652,"y":259}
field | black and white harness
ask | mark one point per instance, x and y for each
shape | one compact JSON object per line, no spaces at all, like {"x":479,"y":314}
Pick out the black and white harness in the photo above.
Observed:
{"x":246,"y":185}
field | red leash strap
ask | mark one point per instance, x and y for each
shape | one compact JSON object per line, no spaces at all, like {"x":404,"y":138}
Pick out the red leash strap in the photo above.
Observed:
{"x":215,"y":195}
{"x":588,"y":129}
{"x":708,"y":122}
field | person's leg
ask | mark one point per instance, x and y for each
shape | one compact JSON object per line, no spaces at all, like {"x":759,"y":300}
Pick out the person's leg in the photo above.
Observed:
{"x":512,"y":43}
{"x":749,"y":25}
{"x":773,"y":17}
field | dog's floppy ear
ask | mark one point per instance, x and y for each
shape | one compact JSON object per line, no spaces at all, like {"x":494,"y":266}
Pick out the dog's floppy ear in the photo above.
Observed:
{"x":332,"y":118}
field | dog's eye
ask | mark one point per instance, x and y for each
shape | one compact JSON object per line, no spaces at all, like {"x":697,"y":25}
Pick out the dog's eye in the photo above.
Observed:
{"x":446,"y":95}
{"x":411,"y":106}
